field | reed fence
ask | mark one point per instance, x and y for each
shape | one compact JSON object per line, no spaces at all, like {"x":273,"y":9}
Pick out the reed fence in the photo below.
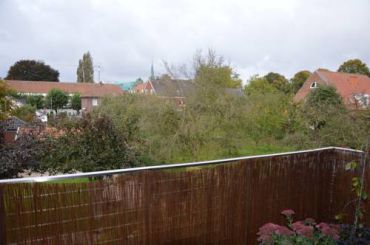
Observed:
{"x":215,"y":202}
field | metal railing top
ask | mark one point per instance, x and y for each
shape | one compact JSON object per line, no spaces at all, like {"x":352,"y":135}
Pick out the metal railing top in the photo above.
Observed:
{"x":159,"y":167}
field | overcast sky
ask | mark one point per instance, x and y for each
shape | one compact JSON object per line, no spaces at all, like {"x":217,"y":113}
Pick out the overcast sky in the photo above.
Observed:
{"x":124,"y":37}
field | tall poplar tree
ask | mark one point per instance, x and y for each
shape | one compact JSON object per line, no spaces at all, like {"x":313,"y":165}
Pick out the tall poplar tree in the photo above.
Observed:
{"x":85,"y":70}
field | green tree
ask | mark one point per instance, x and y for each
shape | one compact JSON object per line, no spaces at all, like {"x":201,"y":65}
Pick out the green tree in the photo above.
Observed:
{"x":32,"y":70}
{"x":92,"y":144}
{"x":5,"y":102}
{"x":278,"y":81}
{"x":56,"y":99}
{"x":298,"y":80}
{"x":76,"y":102}
{"x":259,"y":85}
{"x":355,"y":66}
{"x":211,"y":71}
{"x":324,"y":95}
{"x":85,"y":70}
{"x":36,"y":101}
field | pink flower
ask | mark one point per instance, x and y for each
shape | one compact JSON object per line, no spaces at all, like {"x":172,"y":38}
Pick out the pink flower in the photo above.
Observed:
{"x":282,"y":230}
{"x":301,"y":229}
{"x":329,"y":230}
{"x":287,"y":212}
{"x":267,"y":230}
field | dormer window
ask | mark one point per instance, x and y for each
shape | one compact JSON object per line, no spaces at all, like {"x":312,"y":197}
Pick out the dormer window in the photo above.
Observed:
{"x":314,"y":85}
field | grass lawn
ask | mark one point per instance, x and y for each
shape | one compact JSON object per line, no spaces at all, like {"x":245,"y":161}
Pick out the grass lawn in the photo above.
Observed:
{"x":263,"y":149}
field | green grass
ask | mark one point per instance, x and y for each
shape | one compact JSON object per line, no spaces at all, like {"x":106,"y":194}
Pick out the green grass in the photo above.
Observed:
{"x":70,"y":181}
{"x":263,"y":149}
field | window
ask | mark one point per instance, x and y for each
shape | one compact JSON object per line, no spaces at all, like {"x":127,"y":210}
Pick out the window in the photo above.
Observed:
{"x":314,"y":85}
{"x":94,"y":101}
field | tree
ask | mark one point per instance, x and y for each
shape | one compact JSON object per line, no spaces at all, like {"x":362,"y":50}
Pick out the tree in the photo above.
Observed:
{"x":5,"y":102}
{"x":32,"y":70}
{"x":278,"y":81}
{"x":56,"y":99}
{"x":76,"y":102}
{"x":259,"y":85}
{"x":211,"y":70}
{"x":36,"y":101}
{"x":324,"y":95}
{"x":355,"y":66}
{"x":92,"y":144}
{"x":85,"y":70}
{"x":298,"y":80}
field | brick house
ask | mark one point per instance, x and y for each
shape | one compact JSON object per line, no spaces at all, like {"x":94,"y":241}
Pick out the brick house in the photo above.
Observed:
{"x":90,"y":93}
{"x":353,"y":88}
{"x":143,"y":88}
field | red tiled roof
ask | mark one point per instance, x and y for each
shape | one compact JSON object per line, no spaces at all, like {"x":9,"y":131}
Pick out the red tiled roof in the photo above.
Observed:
{"x":84,"y":89}
{"x":347,"y":84}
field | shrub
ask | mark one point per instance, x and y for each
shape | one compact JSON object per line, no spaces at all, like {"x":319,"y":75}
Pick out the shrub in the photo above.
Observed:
{"x":299,"y":232}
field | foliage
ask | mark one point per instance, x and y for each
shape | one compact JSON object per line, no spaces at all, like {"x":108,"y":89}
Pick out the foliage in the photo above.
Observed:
{"x":25,"y":153}
{"x":305,"y":232}
{"x":358,"y":188}
{"x":56,"y":99}
{"x":76,"y":102}
{"x":25,"y":112}
{"x":278,"y":81}
{"x":5,"y":102}
{"x":32,"y":70}
{"x":355,"y":66}
{"x":85,"y":69}
{"x":92,"y":144}
{"x":211,"y":71}
{"x":298,"y":80}
{"x":324,"y":95}
{"x":36,"y":101}
{"x":259,"y":85}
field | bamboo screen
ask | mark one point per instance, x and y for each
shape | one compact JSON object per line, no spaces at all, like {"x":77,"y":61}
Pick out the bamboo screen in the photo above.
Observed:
{"x":213,"y":204}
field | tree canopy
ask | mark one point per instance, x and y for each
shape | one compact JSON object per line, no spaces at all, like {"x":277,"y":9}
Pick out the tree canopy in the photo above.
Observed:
{"x":76,"y":102}
{"x":324,"y":95}
{"x":298,"y":80}
{"x":355,"y":66}
{"x":36,"y":100}
{"x":56,"y":99}
{"x":278,"y":81}
{"x":259,"y":85}
{"x":211,"y":70}
{"x":85,"y":69}
{"x":32,"y":70}
{"x":5,"y":102}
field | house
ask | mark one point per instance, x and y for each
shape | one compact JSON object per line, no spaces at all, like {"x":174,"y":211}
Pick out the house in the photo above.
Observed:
{"x":175,"y":89}
{"x":353,"y":88}
{"x":10,"y":127}
{"x":143,"y":88}
{"x":90,"y":93}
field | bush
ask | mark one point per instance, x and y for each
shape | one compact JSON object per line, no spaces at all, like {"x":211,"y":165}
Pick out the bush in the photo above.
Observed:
{"x":92,"y":144}
{"x":305,"y":232}
{"x":24,"y":153}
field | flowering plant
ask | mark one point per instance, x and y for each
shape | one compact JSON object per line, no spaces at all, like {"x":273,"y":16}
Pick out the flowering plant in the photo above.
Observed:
{"x":305,"y":232}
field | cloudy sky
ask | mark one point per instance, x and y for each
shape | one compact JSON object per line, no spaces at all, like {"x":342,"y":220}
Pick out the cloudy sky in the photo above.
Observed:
{"x":125,"y":37}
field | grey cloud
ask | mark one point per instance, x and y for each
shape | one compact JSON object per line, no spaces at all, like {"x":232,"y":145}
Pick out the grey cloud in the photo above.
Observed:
{"x":124,"y":37}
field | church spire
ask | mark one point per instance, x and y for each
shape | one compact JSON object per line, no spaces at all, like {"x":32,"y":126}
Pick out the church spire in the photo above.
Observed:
{"x":152,"y":77}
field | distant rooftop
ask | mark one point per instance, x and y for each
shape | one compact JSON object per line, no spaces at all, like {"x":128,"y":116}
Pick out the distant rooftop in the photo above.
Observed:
{"x":84,"y":89}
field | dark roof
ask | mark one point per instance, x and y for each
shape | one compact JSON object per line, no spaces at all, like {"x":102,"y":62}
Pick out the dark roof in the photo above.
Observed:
{"x":173,"y":88}
{"x":84,"y":89}
{"x":12,"y":124}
